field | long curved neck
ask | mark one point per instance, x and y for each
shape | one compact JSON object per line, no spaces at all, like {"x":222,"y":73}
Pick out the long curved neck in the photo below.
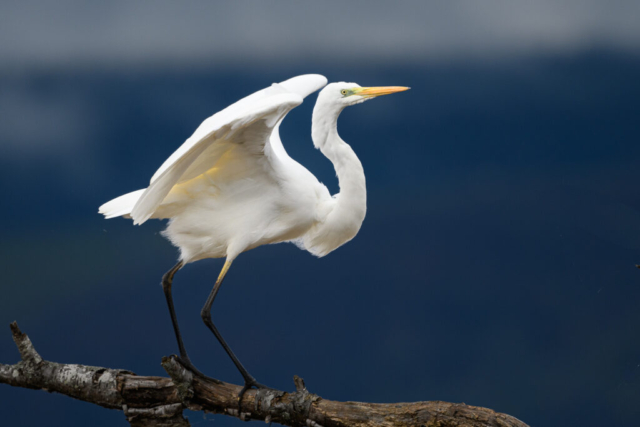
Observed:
{"x":352,"y":199}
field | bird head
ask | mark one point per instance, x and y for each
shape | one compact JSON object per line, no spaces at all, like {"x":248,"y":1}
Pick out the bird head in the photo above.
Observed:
{"x":346,"y":94}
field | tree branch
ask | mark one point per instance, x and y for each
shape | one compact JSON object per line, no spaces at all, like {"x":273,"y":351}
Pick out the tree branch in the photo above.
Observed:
{"x":160,"y":401}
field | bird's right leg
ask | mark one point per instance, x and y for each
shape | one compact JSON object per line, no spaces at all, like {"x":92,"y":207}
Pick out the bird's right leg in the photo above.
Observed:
{"x":249,"y":380}
{"x":167,"y":281}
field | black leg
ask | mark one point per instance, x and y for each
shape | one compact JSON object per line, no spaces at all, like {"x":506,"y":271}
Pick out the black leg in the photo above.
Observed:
{"x":167,"y":281}
{"x":249,"y":380}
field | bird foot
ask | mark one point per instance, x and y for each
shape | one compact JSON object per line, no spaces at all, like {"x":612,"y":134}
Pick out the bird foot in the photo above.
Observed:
{"x":186,"y":362}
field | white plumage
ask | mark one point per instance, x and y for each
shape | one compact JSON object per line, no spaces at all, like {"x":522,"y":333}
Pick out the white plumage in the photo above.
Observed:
{"x":232,"y":187}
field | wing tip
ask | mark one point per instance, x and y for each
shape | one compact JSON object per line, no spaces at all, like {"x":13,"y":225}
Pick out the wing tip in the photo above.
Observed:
{"x":305,"y":84}
{"x":139,"y":217}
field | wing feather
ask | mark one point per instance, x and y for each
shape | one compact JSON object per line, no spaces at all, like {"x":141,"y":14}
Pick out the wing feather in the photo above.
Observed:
{"x":301,"y":85}
{"x":200,"y":152}
{"x":220,"y":127}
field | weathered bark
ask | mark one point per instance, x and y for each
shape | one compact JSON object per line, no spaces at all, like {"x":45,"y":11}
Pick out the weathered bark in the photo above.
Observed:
{"x":159,"y":401}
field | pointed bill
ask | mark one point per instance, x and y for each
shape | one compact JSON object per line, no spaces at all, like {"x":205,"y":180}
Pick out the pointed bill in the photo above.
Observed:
{"x":380,"y":90}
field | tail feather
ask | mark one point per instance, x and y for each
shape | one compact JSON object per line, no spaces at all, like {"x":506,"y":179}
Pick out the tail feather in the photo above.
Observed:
{"x":120,"y":206}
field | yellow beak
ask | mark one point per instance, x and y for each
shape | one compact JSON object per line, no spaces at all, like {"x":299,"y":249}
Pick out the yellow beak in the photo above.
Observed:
{"x":380,"y":90}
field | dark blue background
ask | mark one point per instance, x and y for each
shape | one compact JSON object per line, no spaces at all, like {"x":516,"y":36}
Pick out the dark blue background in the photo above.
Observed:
{"x":496,"y":265}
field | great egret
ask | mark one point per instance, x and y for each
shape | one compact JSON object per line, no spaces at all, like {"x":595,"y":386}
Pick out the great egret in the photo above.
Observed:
{"x":232,"y":187}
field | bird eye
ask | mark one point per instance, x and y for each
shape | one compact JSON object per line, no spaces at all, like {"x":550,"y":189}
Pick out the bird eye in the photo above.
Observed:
{"x":343,"y":91}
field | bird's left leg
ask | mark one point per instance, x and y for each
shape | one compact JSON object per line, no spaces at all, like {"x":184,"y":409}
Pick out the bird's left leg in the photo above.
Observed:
{"x":249,"y":380}
{"x":167,"y":282}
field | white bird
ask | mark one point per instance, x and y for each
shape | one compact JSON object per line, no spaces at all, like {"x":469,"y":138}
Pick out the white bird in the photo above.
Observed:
{"x":232,"y":187}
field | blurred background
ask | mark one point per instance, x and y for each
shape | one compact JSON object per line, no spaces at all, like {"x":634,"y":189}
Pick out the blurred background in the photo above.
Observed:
{"x":496,"y":265}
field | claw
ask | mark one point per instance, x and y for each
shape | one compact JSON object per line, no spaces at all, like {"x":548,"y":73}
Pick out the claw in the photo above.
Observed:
{"x":186,"y":362}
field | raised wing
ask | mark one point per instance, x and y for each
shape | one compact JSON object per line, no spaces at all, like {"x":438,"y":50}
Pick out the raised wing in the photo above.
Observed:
{"x":249,"y":121}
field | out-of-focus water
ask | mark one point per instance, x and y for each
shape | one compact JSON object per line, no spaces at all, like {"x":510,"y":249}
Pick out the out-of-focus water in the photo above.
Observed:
{"x":496,"y":265}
